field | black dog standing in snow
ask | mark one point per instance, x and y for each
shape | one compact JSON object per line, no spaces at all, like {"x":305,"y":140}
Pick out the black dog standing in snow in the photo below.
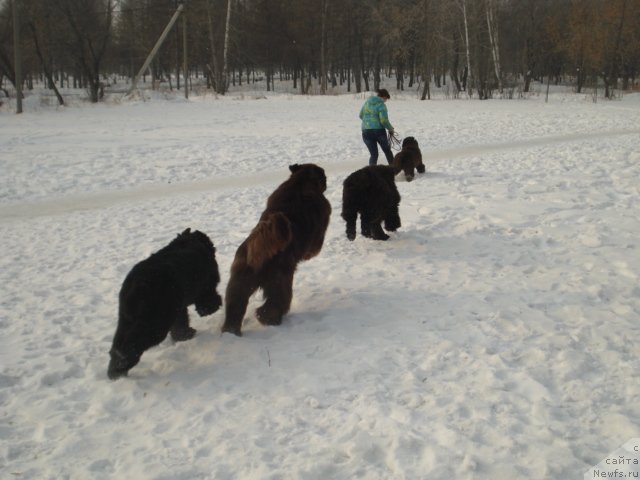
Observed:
{"x":156,"y":293}
{"x":372,"y":193}
{"x":408,"y":159}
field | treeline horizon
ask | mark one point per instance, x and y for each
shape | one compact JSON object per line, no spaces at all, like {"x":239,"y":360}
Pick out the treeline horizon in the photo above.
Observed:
{"x":478,"y":47}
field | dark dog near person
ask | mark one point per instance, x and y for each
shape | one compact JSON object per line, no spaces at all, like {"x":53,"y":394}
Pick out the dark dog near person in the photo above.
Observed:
{"x":408,"y":159}
{"x":156,"y":293}
{"x":291,"y":229}
{"x":372,"y":193}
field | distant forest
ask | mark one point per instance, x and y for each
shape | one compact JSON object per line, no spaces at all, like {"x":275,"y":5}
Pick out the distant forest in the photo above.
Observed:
{"x":474,"y":47}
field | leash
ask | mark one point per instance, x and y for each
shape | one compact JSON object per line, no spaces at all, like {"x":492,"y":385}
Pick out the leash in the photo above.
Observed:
{"x":394,"y":141}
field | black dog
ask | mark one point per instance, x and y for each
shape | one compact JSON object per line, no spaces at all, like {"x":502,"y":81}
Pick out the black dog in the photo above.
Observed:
{"x":408,"y":159}
{"x":291,"y":229}
{"x":156,"y":293}
{"x":372,"y":193}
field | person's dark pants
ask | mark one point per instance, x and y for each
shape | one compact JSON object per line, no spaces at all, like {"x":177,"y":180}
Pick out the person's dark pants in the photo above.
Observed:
{"x":373,"y":138}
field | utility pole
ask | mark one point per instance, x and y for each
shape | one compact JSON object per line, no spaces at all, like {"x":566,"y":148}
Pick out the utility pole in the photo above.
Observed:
{"x":156,"y":47}
{"x":17,"y":56}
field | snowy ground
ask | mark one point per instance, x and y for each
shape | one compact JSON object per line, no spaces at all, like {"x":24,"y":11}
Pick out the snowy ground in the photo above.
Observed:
{"x":496,"y":335}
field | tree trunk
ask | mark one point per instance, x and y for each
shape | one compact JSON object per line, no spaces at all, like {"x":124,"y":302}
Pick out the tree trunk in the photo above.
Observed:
{"x":426,"y":76}
{"x":466,"y":36}
{"x":215,"y":68}
{"x":91,"y":46}
{"x":225,"y":80}
{"x":323,"y":47}
{"x":359,"y":67}
{"x":45,"y":67}
{"x":456,"y":62}
{"x":6,"y":68}
{"x":611,"y":76}
{"x":493,"y":40}
{"x":177,"y":53}
{"x":376,"y":68}
{"x":17,"y":52}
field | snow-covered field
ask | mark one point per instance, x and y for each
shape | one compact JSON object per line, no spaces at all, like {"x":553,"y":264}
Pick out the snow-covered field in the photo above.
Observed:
{"x":496,"y":335}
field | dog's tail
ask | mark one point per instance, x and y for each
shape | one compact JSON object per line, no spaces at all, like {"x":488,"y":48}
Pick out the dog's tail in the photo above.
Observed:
{"x":271,"y":236}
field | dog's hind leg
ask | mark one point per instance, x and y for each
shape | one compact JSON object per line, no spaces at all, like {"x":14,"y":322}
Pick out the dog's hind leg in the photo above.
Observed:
{"x":351,"y":227}
{"x":350,"y":216}
{"x":180,"y":330}
{"x":365,"y":224}
{"x":420,"y":164}
{"x":377,"y":233}
{"x":408,"y":172}
{"x":240,"y":287}
{"x":278,"y":291}
{"x":392,"y":222}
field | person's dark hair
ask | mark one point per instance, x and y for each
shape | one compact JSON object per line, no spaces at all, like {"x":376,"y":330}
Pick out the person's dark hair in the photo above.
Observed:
{"x":383,"y":93}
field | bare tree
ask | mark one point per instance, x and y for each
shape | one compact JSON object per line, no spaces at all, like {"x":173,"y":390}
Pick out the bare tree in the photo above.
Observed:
{"x":225,"y":60}
{"x":39,"y":18}
{"x":612,"y":63}
{"x":214,"y":68}
{"x":469,"y":82}
{"x":308,"y":41}
{"x":492,"y":28}
{"x":426,"y":73}
{"x":323,"y":47}
{"x":629,"y":56}
{"x":90,"y":24}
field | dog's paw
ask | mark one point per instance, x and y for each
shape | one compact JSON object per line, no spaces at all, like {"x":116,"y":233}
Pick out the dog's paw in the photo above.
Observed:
{"x":409,"y":177}
{"x":383,"y":237}
{"x":229,"y":329}
{"x":351,"y":235}
{"x":392,"y":224}
{"x":209,"y":307}
{"x":269,"y":315}
{"x":182,"y":334}
{"x":420,"y":168}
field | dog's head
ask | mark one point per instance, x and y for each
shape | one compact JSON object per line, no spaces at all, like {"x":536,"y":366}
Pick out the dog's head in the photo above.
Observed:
{"x":311,"y":174}
{"x":121,"y":362}
{"x":196,"y":237}
{"x":409,"y":142}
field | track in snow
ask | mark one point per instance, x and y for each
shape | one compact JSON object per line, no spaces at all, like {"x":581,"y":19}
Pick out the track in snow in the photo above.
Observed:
{"x":93,"y":201}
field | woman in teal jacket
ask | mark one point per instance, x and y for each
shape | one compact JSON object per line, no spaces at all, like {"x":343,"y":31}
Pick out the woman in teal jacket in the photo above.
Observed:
{"x":375,"y":123}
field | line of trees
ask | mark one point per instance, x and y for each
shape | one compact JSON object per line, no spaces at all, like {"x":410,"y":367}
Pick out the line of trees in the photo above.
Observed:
{"x":473,"y":47}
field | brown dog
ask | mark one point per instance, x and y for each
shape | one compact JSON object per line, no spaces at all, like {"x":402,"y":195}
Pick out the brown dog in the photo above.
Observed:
{"x":408,"y":159}
{"x":291,"y":229}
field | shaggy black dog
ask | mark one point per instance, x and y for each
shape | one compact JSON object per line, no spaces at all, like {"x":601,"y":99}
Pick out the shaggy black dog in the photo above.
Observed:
{"x":372,"y":193}
{"x":291,"y":229}
{"x":156,"y":293}
{"x":408,"y":159}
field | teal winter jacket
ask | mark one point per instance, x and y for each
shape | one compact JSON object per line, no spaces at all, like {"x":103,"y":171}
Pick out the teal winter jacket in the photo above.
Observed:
{"x":374,"y":114}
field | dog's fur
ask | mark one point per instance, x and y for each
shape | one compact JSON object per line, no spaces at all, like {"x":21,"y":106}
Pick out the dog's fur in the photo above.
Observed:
{"x":156,"y":293}
{"x":291,"y":229}
{"x":372,"y":193}
{"x":408,"y":159}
